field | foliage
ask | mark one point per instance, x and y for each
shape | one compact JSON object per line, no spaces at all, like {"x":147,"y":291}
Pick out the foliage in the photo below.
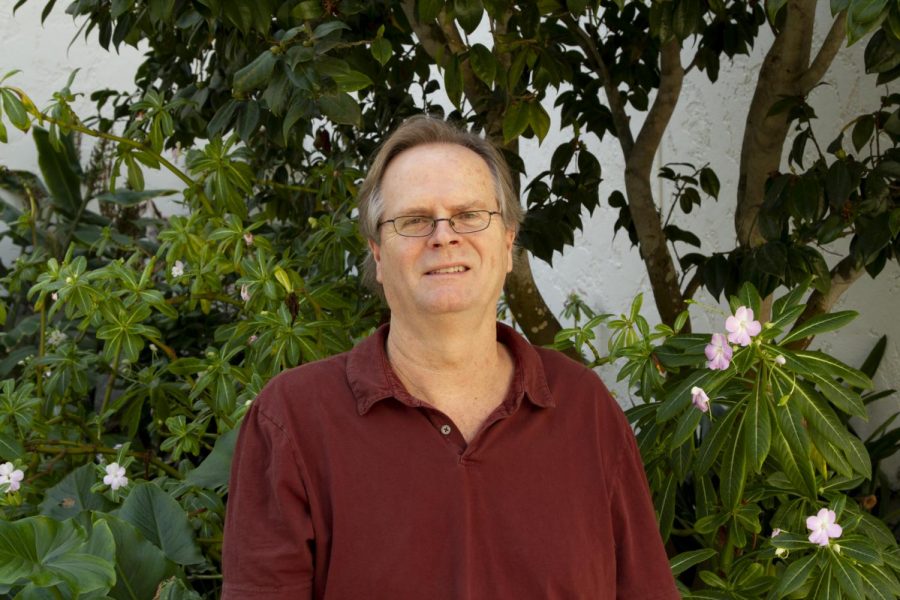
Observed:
{"x":126,"y":327}
{"x":137,"y":343}
{"x":288,"y":76}
{"x":734,"y":483}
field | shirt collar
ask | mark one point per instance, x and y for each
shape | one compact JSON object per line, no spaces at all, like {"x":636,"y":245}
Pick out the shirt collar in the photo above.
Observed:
{"x":372,"y":379}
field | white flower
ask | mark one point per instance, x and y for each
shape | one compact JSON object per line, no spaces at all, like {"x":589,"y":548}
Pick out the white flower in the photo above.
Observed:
{"x":54,"y":296}
{"x":245,"y":293}
{"x":153,"y":348}
{"x":11,"y":477}
{"x":248,"y":238}
{"x":178,"y":269}
{"x":56,"y":337}
{"x":780,"y":360}
{"x":115,"y":476}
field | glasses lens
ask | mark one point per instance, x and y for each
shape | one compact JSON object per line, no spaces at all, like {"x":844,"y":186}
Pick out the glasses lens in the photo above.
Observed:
{"x":414,"y":226}
{"x":471,"y":221}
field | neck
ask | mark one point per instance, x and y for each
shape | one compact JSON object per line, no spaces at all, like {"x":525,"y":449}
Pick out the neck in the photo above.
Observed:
{"x":442,"y":347}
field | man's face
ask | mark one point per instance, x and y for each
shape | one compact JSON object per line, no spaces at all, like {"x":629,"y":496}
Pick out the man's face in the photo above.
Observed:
{"x":445,"y":272}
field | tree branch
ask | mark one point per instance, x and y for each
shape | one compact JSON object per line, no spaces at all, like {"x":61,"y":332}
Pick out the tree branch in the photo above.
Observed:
{"x":613,"y":98}
{"x":843,"y":275}
{"x":827,"y":51}
{"x":638,"y":167}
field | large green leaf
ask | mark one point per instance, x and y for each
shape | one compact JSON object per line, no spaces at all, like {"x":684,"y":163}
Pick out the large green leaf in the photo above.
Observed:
{"x":733,"y":474}
{"x":161,"y":520}
{"x":47,"y":553}
{"x":60,"y":170}
{"x":140,"y":566}
{"x":10,"y":448}
{"x":721,"y":432}
{"x":794,"y":576}
{"x":757,"y":427}
{"x":341,"y":108}
{"x":255,"y":74}
{"x":73,"y":495}
{"x":213,"y":472}
{"x":686,"y":560}
{"x":820,"y":324}
{"x":796,"y":444}
{"x":826,"y":366}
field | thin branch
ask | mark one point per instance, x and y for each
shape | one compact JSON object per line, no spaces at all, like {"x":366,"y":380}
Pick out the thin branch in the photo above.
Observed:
{"x":827,"y":51}
{"x":693,"y":285}
{"x":616,"y":105}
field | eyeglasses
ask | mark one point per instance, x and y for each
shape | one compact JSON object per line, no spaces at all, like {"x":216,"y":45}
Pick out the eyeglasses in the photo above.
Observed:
{"x":468,"y":221}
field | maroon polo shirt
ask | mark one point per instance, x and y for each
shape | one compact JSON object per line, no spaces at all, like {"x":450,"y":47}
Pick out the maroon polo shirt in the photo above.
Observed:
{"x":343,"y":485}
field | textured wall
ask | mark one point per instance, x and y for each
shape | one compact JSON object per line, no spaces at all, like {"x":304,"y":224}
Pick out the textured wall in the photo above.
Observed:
{"x":707,"y":127}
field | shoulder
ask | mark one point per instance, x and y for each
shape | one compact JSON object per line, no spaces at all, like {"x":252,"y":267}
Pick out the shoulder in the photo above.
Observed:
{"x":300,"y":388}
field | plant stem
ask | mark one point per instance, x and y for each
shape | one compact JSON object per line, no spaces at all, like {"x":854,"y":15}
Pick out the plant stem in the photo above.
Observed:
{"x":108,"y":393}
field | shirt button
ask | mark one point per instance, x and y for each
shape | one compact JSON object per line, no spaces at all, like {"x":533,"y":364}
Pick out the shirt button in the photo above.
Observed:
{"x":445,"y":429}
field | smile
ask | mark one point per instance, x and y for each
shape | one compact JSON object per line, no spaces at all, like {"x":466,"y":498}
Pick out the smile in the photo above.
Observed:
{"x":448,"y":270}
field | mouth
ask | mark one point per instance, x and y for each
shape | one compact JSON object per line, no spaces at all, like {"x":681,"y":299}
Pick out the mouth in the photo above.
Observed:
{"x":449,"y":270}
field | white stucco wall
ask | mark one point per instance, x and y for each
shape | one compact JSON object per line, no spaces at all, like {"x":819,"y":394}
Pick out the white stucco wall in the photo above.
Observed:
{"x":707,"y":127}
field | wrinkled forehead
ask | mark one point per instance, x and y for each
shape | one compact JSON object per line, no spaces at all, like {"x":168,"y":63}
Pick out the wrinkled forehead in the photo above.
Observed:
{"x":438,"y":176}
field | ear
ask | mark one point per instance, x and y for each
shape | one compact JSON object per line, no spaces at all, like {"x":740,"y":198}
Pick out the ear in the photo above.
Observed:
{"x":510,"y":241}
{"x":376,"y":255}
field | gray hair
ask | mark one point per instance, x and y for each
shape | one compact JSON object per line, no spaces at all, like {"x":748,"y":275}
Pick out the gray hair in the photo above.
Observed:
{"x":418,"y":131}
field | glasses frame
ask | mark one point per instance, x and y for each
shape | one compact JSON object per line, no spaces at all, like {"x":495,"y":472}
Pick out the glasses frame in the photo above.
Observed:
{"x":434,"y":223}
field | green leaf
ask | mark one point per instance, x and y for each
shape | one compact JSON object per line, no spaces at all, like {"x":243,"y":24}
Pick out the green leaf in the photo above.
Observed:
{"x":826,"y":366}
{"x":773,"y":7}
{"x":687,"y":425}
{"x":468,"y":14}
{"x":720,"y":433}
{"x":684,"y":561}
{"x":860,"y":549}
{"x":61,"y":172}
{"x":709,"y":182}
{"x":15,"y":110}
{"x":757,"y":427}
{"x":847,"y":576}
{"x":255,"y":74}
{"x":863,"y":16}
{"x":429,"y":9}
{"x":484,"y":65}
{"x":819,"y":324}
{"x":46,"y":553}
{"x":796,"y":439}
{"x":538,"y":119}
{"x":794,"y":576}
{"x":515,"y":121}
{"x":453,"y":81}
{"x":341,"y":108}
{"x":140,"y":566}
{"x":733,"y":473}
{"x":351,"y":81}
{"x":73,"y":495}
{"x":213,"y":472}
{"x":10,"y":448}
{"x":162,"y":521}
{"x":862,"y":131}
{"x":666,"y":507}
{"x":382,"y":50}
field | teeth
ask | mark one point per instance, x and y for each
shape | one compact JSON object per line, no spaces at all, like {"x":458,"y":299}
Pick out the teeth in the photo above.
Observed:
{"x":457,"y":269}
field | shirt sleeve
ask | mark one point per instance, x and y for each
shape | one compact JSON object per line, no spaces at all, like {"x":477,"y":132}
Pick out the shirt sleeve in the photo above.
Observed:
{"x":642,"y":567}
{"x":268,"y":541}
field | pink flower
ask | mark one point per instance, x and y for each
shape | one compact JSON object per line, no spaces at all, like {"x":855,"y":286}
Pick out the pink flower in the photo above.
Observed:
{"x":245,"y":293}
{"x":741,"y":326}
{"x":11,"y":477}
{"x":252,"y":339}
{"x":718,"y":353}
{"x":248,"y":238}
{"x":823,"y":527}
{"x":776,"y":532}
{"x":699,"y":399}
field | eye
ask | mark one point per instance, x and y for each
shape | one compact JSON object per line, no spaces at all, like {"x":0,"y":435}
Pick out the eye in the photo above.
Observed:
{"x":412,"y":221}
{"x":470,"y":216}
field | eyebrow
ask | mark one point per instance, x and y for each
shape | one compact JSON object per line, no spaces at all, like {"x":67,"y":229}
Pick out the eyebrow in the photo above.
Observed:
{"x":454,"y":210}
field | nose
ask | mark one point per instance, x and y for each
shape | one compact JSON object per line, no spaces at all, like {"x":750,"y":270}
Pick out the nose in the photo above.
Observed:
{"x":443,"y":234}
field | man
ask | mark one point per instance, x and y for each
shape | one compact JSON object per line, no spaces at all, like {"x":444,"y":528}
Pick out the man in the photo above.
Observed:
{"x":444,"y":456}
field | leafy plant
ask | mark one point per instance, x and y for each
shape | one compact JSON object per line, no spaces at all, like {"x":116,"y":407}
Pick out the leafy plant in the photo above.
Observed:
{"x":742,"y":455}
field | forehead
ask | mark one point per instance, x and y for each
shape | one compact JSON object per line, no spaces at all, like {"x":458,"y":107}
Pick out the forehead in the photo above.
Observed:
{"x":433,"y":176}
